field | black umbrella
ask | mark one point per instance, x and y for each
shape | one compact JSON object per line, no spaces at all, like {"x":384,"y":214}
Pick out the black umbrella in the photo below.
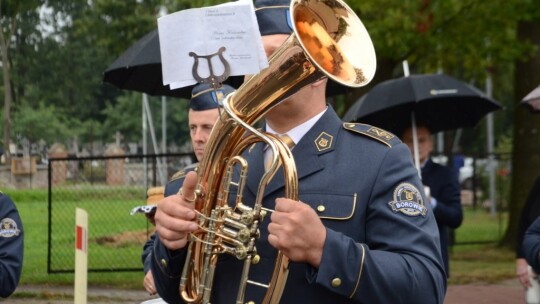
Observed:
{"x":532,"y":100}
{"x":139,"y":69}
{"x":437,"y":100}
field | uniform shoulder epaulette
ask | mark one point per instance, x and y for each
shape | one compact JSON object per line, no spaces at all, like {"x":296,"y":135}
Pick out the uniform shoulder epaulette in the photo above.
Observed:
{"x":378,"y":134}
{"x":184,"y":171}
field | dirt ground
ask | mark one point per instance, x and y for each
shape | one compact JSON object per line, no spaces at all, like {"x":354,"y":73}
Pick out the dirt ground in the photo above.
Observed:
{"x":507,"y":292}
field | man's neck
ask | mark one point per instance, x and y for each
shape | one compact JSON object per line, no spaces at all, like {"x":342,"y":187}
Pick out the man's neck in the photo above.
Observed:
{"x":290,"y":117}
{"x":299,"y":131}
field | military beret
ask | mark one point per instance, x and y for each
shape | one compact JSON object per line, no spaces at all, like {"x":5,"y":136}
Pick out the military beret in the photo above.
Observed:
{"x":273,"y":17}
{"x":204,"y":97}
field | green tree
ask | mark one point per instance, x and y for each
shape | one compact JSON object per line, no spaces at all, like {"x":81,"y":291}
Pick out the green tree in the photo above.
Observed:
{"x":41,"y":122}
{"x":526,"y":144}
{"x":12,"y":12}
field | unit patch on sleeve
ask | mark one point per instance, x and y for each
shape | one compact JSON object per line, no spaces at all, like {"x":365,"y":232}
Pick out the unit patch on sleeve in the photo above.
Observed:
{"x":8,"y":228}
{"x":408,"y":200}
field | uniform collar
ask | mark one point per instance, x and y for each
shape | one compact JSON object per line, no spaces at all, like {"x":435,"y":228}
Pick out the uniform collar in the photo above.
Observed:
{"x":299,"y":131}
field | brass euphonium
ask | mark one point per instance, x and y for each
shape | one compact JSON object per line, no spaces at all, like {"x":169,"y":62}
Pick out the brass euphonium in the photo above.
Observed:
{"x":329,"y":40}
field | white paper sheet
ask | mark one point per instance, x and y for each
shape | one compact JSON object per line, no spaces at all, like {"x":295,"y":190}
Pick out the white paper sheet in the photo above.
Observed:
{"x":204,"y":31}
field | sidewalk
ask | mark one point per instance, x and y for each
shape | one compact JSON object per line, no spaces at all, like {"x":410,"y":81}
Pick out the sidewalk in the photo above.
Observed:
{"x":41,"y":294}
{"x":506,"y":292}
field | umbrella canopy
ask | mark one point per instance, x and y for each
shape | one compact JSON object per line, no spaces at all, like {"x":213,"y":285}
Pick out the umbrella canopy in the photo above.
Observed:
{"x":532,"y":100}
{"x":139,"y":69}
{"x":439,"y":101}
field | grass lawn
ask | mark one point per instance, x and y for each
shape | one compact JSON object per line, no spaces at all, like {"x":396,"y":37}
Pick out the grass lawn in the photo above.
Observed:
{"x":487,"y":263}
{"x":33,"y":208}
{"x":469,"y":263}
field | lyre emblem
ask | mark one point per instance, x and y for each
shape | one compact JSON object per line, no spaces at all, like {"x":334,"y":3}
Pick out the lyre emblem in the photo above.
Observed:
{"x":212,"y":78}
{"x":323,"y":141}
{"x":409,"y":195}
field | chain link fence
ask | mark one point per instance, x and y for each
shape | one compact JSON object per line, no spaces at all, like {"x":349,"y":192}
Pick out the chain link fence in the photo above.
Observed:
{"x":485,"y":193}
{"x":107,"y":188}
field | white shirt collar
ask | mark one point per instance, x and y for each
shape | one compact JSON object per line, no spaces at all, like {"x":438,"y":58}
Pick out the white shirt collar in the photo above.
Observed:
{"x":299,"y":131}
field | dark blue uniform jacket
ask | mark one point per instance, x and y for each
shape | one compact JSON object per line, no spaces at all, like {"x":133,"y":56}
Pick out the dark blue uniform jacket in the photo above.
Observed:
{"x":11,"y":246}
{"x":382,"y":243}
{"x":444,"y":187}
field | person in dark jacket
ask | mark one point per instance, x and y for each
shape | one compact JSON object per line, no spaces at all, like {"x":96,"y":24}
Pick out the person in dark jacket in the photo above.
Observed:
{"x":531,"y":245}
{"x":529,"y":214}
{"x":202,"y":115}
{"x":444,"y":190}
{"x":11,"y":246}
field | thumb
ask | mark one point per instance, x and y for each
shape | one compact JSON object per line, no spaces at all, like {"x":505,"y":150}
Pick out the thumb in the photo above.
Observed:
{"x":188,"y":188}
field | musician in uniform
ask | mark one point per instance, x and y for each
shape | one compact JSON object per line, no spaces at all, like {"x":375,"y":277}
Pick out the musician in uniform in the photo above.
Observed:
{"x":361,"y":232}
{"x":202,"y":115}
{"x":11,"y":246}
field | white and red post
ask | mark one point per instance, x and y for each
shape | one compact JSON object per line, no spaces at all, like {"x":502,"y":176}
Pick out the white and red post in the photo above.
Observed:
{"x":81,"y":256}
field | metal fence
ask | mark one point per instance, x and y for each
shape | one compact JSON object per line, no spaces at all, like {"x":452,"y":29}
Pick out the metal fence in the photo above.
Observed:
{"x":485,"y":192}
{"x":107,"y":188}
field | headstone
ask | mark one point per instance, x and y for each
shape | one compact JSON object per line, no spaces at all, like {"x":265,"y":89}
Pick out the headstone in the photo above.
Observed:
{"x":59,"y":168}
{"x":115,"y":171}
{"x":132,"y":148}
{"x":74,"y":147}
{"x":12,"y":148}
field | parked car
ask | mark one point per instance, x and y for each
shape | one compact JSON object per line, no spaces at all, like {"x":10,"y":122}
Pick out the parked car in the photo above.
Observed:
{"x":466,"y":172}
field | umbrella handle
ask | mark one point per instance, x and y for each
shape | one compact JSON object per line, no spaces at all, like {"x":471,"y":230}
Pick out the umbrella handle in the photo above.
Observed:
{"x":415,"y":144}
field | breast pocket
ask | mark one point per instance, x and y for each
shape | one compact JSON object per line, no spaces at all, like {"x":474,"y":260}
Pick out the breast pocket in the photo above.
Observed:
{"x":337,"y":211}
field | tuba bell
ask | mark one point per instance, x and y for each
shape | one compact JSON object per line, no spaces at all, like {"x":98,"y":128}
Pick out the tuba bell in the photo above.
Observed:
{"x":328,"y":40}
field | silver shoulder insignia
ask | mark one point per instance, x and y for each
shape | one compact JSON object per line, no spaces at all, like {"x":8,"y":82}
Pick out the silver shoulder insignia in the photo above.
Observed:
{"x":378,"y":134}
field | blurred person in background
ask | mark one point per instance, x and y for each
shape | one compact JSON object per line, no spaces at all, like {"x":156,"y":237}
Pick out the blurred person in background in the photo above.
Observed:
{"x":444,"y":190}
{"x":529,"y":214}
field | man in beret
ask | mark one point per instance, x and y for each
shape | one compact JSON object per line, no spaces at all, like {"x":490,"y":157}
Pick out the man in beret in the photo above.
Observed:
{"x":202,"y":115}
{"x":361,"y":232}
